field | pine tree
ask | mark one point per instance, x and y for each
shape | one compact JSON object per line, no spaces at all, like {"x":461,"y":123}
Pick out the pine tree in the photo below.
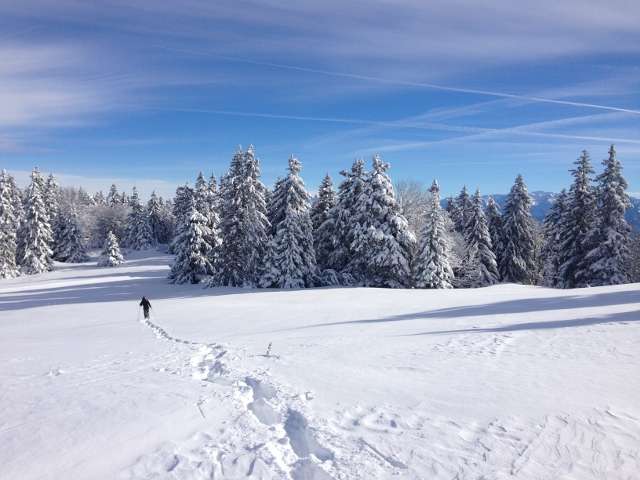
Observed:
{"x":18,"y":203}
{"x":168,"y":221}
{"x":36,"y":234}
{"x":577,"y":224}
{"x":633,"y":259}
{"x":113,"y":197}
{"x":494,"y":223}
{"x":139,"y":234}
{"x":291,"y":260}
{"x":205,"y":201}
{"x":244,"y":224}
{"x":479,"y":266}
{"x":325,"y":202}
{"x":99,"y":199}
{"x":192,"y":250}
{"x":452,"y":209}
{"x":519,"y":249}
{"x":215,"y":239}
{"x":84,"y":199}
{"x":69,"y":243}
{"x":155,"y":214}
{"x":229,"y":267}
{"x":320,"y":213}
{"x":276,"y":202}
{"x":51,"y":197}
{"x":111,"y":255}
{"x":382,"y":243}
{"x":336,"y":233}
{"x":551,"y":250}
{"x":610,"y":236}
{"x":432,"y":267}
{"x":8,"y":267}
{"x":182,"y":203}
{"x":461,"y":210}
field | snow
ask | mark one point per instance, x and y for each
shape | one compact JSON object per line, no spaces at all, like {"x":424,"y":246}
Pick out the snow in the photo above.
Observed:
{"x":507,"y":381}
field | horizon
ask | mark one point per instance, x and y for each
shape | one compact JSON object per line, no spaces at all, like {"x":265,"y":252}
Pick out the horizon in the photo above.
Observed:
{"x":129,"y":94}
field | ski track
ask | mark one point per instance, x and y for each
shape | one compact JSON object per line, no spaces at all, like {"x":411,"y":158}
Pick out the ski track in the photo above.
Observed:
{"x":269,"y":438}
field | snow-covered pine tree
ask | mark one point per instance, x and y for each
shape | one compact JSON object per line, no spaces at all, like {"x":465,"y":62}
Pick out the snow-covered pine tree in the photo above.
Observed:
{"x":494,"y":222}
{"x":214,"y":219}
{"x":325,"y":202}
{"x":139,"y":234}
{"x":154,"y":214}
{"x":182,"y":203}
{"x":383,"y":243}
{"x":36,"y":235}
{"x":633,"y":259}
{"x":229,"y":268}
{"x":111,"y":255}
{"x":51,"y":197}
{"x":461,"y":211}
{"x":205,"y":201}
{"x":113,"y":197}
{"x":320,"y":213}
{"x":84,"y":199}
{"x":192,"y":251}
{"x":610,"y":236}
{"x":8,"y":266}
{"x":99,"y":199}
{"x":432,"y":268}
{"x":479,"y":265}
{"x":577,"y":224}
{"x":451,"y":208}
{"x":257,"y":224}
{"x":551,"y":231}
{"x":244,"y":224}
{"x":291,"y":260}
{"x":18,"y":203}
{"x":276,"y":202}
{"x":336,"y":233}
{"x":69,"y":242}
{"x":168,"y":221}
{"x":519,"y":249}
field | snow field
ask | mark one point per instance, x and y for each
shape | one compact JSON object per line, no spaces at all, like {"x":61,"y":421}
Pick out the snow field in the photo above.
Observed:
{"x":502,"y":382}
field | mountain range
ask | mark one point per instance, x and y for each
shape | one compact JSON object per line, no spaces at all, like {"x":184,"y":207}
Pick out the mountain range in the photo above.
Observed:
{"x":542,"y":202}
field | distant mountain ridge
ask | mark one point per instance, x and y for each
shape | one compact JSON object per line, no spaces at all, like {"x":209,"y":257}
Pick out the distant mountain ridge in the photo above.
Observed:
{"x":542,"y":202}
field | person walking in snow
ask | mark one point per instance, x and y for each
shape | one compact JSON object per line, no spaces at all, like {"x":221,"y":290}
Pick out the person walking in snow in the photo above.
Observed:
{"x":146,"y":306}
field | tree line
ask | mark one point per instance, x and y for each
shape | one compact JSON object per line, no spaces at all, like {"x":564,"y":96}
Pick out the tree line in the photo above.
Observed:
{"x":368,"y":232}
{"x":44,"y":222}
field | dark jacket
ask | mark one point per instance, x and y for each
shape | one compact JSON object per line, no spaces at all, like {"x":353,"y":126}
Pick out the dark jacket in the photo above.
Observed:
{"x":146,"y":304}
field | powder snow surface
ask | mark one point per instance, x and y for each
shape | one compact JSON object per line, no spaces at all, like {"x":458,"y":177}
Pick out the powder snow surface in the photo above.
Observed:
{"x":501,"y":382}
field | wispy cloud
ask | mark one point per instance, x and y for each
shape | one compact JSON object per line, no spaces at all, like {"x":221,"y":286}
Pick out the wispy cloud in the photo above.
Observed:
{"x":534,"y":129}
{"x":433,"y":86}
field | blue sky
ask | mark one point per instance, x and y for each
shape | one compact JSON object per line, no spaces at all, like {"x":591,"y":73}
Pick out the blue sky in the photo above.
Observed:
{"x":469,"y":92}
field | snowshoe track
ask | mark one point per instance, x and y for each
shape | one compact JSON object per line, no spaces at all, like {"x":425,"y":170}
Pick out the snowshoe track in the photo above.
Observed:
{"x":270,"y":436}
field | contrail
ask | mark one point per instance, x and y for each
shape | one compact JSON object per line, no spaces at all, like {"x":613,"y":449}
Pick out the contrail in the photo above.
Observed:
{"x":407,"y":83}
{"x":474,"y":132}
{"x":351,"y":121}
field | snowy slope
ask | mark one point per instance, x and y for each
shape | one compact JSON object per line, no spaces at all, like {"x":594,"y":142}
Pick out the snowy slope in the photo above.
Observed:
{"x":502,"y":382}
